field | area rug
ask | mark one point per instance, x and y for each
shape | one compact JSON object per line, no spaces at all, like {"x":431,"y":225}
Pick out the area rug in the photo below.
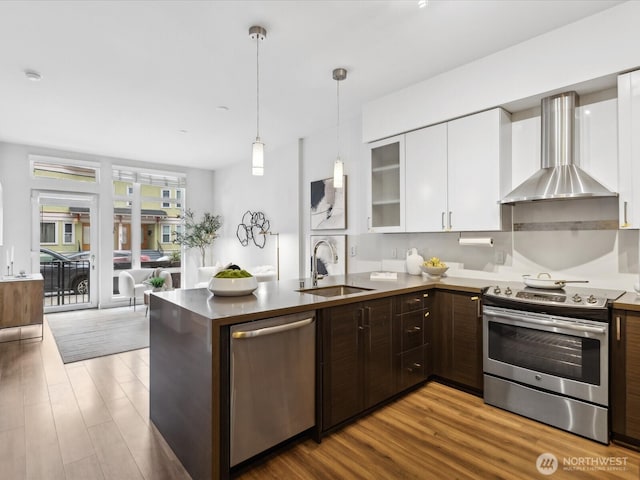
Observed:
{"x":81,"y":338}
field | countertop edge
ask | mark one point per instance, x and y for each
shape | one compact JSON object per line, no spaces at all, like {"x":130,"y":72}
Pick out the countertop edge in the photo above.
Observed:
{"x":265,"y":303}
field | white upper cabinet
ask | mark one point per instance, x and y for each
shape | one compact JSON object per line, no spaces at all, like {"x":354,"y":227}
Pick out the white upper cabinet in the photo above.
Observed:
{"x":426,"y":179}
{"x":387,"y":201}
{"x":629,"y":149}
{"x":479,"y":173}
{"x":457,"y":172}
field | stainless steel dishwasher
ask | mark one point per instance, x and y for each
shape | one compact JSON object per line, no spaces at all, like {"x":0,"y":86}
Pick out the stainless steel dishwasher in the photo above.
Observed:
{"x":272,"y":382}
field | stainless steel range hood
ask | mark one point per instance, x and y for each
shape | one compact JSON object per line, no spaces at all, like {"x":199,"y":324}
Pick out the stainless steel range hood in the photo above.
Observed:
{"x":558,"y":177}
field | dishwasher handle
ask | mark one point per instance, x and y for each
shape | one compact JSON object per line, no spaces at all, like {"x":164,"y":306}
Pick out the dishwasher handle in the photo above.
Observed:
{"x":271,"y":330}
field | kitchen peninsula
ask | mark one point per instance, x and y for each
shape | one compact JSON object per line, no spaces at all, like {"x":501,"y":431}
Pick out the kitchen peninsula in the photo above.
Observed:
{"x":189,"y":353}
{"x":374,"y":341}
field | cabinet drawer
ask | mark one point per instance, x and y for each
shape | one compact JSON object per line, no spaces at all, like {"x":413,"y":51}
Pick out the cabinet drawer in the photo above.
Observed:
{"x":413,"y":301}
{"x":412,"y":368}
{"x":412,"y":333}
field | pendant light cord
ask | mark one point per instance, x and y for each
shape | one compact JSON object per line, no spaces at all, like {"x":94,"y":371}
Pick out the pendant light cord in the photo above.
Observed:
{"x":338,"y":109}
{"x":257,"y":86}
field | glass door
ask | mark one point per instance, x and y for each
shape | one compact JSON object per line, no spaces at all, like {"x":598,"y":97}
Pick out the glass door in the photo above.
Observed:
{"x":63,"y":250}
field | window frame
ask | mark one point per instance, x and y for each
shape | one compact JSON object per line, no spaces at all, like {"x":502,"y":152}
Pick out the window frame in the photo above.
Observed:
{"x":64,"y":233}
{"x":166,"y":204}
{"x":55,"y":233}
{"x":162,"y":234}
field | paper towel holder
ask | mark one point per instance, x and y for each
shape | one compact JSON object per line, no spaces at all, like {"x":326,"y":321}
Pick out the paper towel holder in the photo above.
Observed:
{"x":475,"y":242}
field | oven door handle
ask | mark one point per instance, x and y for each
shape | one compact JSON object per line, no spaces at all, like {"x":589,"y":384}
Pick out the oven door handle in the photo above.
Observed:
{"x":553,"y":323}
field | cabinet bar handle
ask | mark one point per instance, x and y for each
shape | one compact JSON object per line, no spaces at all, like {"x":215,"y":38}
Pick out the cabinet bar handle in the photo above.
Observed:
{"x":415,"y":329}
{"x":625,"y":222}
{"x":618,"y":334}
{"x":450,"y":226}
{"x":425,"y":295}
{"x":477,"y":299}
{"x":413,"y":366}
{"x":427,"y":314}
{"x":443,"y":226}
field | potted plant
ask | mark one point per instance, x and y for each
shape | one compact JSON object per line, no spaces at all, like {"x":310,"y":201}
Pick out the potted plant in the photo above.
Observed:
{"x":175,"y":258}
{"x":156,"y":283}
{"x":198,"y":234}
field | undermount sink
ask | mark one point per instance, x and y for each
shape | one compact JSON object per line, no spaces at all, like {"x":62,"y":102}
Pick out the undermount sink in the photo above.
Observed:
{"x":334,"y":290}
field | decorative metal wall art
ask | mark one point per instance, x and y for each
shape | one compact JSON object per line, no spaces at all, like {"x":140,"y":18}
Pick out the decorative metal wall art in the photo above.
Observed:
{"x":254,"y":227}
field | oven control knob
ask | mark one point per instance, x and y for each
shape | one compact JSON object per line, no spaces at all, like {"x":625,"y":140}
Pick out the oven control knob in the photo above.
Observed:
{"x":507,"y":291}
{"x":497,"y":290}
{"x":577,"y":298}
{"x":592,"y":299}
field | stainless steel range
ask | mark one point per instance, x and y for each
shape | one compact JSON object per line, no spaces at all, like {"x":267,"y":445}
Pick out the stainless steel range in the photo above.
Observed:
{"x":546,"y":355}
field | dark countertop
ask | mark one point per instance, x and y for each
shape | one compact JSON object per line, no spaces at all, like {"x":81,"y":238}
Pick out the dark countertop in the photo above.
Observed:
{"x":628,"y":301}
{"x":281,"y":298}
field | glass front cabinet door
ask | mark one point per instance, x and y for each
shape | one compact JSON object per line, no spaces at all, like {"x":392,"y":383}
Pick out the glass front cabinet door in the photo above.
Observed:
{"x":386,"y":206}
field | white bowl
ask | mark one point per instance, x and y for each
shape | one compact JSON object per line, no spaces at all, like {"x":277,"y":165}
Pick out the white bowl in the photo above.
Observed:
{"x":434,"y":272}
{"x":232,"y":287}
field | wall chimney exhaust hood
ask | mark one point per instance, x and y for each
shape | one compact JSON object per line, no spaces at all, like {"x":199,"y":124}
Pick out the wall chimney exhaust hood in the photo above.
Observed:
{"x":558,"y":178}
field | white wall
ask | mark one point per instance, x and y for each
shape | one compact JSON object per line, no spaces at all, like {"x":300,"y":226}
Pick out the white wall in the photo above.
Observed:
{"x":275,"y":194}
{"x":18,"y":184}
{"x":319,"y":152}
{"x":594,"y":47}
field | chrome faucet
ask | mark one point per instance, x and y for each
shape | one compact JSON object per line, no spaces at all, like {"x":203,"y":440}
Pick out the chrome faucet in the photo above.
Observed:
{"x":314,"y":263}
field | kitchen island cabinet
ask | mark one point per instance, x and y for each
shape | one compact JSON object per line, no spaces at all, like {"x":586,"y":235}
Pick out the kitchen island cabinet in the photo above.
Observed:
{"x":189,"y":337}
{"x":357,"y":359}
{"x":625,"y":377}
{"x":458,"y":339}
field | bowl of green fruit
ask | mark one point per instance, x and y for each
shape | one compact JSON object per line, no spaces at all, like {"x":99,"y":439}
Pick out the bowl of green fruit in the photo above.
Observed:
{"x":434,"y":267}
{"x":232,"y":283}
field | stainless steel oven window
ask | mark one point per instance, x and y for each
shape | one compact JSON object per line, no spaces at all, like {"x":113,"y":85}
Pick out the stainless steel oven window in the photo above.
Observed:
{"x":553,"y":353}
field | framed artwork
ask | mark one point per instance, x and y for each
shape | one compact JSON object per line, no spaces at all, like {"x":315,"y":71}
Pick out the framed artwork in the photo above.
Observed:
{"x":326,"y":265}
{"x":328,"y":205}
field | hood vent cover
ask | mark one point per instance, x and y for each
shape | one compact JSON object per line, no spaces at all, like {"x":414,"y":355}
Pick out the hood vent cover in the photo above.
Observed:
{"x":558,"y":178}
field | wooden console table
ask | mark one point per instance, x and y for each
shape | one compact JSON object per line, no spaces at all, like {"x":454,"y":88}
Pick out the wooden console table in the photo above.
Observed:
{"x":21,"y":301}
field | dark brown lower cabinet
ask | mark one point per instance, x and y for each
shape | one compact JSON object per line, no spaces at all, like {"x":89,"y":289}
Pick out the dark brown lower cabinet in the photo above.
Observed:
{"x":357,"y":359}
{"x":625,"y":377}
{"x":458,"y":338}
{"x":412,"y":338}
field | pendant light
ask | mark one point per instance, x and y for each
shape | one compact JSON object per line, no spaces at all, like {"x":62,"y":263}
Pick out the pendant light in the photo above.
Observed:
{"x":339,"y":74}
{"x":257,"y":33}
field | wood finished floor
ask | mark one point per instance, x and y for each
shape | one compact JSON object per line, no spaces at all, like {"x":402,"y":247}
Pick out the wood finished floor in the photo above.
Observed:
{"x":90,"y":420}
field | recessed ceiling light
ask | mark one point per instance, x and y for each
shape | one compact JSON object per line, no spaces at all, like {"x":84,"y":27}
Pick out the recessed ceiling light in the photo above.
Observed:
{"x":183,"y":131}
{"x":32,"y":75}
{"x":222,"y":108}
{"x":423,"y":3}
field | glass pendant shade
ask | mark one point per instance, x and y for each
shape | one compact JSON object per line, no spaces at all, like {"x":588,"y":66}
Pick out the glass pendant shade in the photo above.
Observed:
{"x":338,"y":172}
{"x":257,"y":158}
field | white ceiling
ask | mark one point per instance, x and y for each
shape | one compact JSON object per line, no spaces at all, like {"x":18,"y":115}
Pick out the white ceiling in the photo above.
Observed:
{"x":123,"y":79}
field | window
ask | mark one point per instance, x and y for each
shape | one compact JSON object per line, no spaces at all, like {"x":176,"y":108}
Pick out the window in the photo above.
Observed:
{"x":166,"y":233}
{"x":178,"y":198}
{"x":48,"y":233}
{"x":68,"y":233}
{"x":63,"y":169}
{"x":166,"y":194}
